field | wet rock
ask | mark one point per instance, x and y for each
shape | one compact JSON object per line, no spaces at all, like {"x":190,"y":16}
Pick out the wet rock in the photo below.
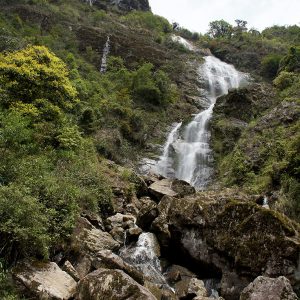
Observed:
{"x":68,"y":267}
{"x":108,"y":260}
{"x":111,"y":284}
{"x":264,"y":288}
{"x":160,"y":292}
{"x":147,"y":213}
{"x":160,"y":225}
{"x":144,"y":255}
{"x":44,"y":280}
{"x":133,"y":234}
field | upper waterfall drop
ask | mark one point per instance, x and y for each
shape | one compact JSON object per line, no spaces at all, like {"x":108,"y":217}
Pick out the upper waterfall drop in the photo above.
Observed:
{"x":188,"y":156}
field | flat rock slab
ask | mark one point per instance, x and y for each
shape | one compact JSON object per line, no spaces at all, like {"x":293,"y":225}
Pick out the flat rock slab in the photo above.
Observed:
{"x":162,"y":188}
{"x":44,"y":280}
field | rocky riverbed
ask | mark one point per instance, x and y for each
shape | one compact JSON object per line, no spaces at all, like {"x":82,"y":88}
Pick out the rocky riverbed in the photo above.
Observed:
{"x":168,"y":242}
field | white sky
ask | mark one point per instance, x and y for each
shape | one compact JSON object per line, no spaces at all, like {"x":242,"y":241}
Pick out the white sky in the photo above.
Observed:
{"x":195,"y":15}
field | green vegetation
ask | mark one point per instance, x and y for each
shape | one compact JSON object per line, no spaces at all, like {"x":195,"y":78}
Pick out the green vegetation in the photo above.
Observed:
{"x":250,"y":50}
{"x":266,"y":157}
{"x":60,"y":117}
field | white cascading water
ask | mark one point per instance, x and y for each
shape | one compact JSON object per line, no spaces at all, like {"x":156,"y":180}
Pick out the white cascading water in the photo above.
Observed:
{"x":106,"y":49}
{"x":187,"y":153}
{"x":144,"y":255}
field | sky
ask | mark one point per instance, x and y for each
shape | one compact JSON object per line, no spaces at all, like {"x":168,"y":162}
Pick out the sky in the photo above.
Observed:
{"x":195,"y":15}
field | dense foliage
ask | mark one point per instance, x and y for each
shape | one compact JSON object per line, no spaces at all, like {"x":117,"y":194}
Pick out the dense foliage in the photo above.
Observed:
{"x":60,"y":117}
{"x":266,"y":157}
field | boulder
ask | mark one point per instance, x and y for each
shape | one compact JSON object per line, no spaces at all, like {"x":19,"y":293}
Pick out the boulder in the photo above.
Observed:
{"x":120,"y":220}
{"x":133,"y":234}
{"x":176,"y":273}
{"x":111,"y":284}
{"x":44,"y":280}
{"x":170,"y":187}
{"x":147,"y":213}
{"x":86,"y":242}
{"x":190,"y":288}
{"x":232,"y":284}
{"x":108,"y":260}
{"x":87,"y":239}
{"x":118,"y":233}
{"x":83,"y":265}
{"x":68,"y":267}
{"x":227,"y":235}
{"x":162,"y":188}
{"x":265,"y":288}
{"x":182,"y":188}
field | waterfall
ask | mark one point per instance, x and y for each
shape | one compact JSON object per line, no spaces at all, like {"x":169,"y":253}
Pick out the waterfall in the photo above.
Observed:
{"x":144,"y":255}
{"x":106,"y":49}
{"x":165,"y":161}
{"x":182,"y":41}
{"x":191,"y":158}
{"x":90,"y":2}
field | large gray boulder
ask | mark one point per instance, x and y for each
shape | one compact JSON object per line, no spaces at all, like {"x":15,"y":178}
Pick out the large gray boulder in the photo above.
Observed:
{"x":265,"y":288}
{"x":230,"y":235}
{"x":104,"y":284}
{"x":171,"y":188}
{"x":86,"y":242}
{"x":108,"y":260}
{"x":44,"y":281}
{"x":87,"y":239}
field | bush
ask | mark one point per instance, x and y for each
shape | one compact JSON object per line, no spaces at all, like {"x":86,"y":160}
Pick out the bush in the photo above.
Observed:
{"x":152,"y":88}
{"x":284,"y":80}
{"x":35,"y":73}
{"x":148,"y":20}
{"x":270,"y":65}
{"x":291,"y":62}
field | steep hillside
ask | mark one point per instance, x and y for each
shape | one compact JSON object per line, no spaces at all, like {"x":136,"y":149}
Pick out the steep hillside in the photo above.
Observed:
{"x":255,"y":136}
{"x":87,"y":88}
{"x":77,"y":33}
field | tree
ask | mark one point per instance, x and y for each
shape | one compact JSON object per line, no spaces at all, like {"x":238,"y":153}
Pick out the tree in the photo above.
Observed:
{"x":220,"y":29}
{"x":241,"y":25}
{"x":35,"y":73}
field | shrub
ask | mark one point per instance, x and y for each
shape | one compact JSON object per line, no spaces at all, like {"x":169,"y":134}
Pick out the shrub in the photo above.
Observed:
{"x":291,"y":62}
{"x":270,"y":65}
{"x":152,"y":88}
{"x":35,"y":73}
{"x":148,"y":20}
{"x":284,"y":80}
